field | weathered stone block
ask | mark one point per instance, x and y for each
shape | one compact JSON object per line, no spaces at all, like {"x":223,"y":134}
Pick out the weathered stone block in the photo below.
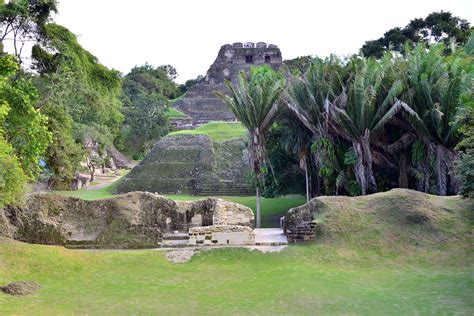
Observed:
{"x":221,"y":235}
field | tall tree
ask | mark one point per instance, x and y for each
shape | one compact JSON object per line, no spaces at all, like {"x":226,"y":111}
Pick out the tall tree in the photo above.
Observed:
{"x":255,"y":103}
{"x":435,"y":86}
{"x":297,"y":139}
{"x":83,"y":98}
{"x":25,"y":127}
{"x":366,"y":110}
{"x":22,"y":21}
{"x":12,"y":177}
{"x":308,"y":98}
{"x":436,"y":27}
{"x":146,"y":93}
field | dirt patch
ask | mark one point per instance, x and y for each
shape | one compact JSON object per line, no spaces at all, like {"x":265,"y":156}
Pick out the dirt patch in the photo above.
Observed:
{"x":21,"y":288}
{"x":179,"y":256}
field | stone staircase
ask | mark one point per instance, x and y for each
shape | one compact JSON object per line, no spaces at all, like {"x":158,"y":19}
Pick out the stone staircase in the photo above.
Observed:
{"x":175,"y":240}
{"x":270,"y":237}
{"x":223,"y":188}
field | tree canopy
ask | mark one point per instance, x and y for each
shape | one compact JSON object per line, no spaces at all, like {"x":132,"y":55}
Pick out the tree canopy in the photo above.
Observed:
{"x":436,"y":27}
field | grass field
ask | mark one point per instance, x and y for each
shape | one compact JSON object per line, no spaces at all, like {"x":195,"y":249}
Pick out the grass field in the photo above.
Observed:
{"x":305,"y":279}
{"x":217,"y":131}
{"x":368,"y":261}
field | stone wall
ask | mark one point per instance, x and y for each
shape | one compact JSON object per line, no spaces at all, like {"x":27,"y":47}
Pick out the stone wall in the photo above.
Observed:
{"x":191,"y":164}
{"x":299,"y":224}
{"x":221,"y":235}
{"x":219,"y":212}
{"x":132,"y":220}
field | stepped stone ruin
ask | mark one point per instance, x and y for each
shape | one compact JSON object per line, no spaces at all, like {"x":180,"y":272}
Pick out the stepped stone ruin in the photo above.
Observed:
{"x":195,"y":164}
{"x":200,"y":104}
{"x":132,"y":220}
{"x":191,"y":164}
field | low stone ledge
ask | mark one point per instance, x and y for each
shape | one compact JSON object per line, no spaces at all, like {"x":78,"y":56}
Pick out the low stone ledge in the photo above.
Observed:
{"x":221,"y":235}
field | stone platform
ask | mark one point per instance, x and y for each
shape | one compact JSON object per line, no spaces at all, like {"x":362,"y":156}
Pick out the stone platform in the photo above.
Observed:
{"x":264,"y":237}
{"x":270,"y":237}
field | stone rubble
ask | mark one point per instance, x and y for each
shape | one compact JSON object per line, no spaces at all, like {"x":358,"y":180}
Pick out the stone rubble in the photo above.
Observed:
{"x":179,"y":256}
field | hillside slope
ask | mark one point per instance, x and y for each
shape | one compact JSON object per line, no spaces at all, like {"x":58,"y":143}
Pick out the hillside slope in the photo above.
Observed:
{"x":398,"y":220}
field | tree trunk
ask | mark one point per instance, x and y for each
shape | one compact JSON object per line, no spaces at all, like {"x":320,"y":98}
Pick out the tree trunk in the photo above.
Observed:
{"x":91,"y":167}
{"x":359,"y":170}
{"x":258,"y":208}
{"x":307,"y":181}
{"x":441,"y":170}
{"x":403,"y":176}
{"x":363,"y":167}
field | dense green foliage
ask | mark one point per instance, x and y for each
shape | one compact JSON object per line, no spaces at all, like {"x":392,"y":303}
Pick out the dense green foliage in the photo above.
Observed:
{"x":12,"y":177}
{"x":82,"y":99}
{"x":377,"y":124}
{"x":23,"y":134}
{"x":436,"y":27}
{"x":146,"y":91}
{"x":465,"y":164}
{"x":95,"y":98}
{"x":24,"y":127}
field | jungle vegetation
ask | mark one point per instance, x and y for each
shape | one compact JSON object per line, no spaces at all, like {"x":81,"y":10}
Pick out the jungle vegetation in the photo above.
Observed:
{"x":400,"y":116}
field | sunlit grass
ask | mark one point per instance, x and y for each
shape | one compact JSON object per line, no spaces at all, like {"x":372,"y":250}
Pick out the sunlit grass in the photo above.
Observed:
{"x":217,"y":131}
{"x":305,"y":280}
{"x":174,"y":113}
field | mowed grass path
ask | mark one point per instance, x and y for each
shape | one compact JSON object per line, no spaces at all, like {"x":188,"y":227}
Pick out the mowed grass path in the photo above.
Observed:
{"x":272,"y":208}
{"x":217,"y":131}
{"x":302,"y":279}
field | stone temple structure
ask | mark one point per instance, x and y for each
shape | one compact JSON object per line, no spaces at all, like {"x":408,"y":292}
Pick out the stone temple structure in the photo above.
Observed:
{"x":200,"y":104}
{"x":196,"y":164}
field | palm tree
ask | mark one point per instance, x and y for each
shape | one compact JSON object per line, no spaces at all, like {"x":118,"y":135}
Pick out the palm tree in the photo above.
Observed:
{"x":297,"y":139}
{"x":435,"y":86}
{"x":308,"y":97}
{"x":255,"y":103}
{"x":361,"y":115}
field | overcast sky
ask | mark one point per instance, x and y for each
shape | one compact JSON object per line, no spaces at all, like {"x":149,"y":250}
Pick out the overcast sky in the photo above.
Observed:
{"x":188,"y":33}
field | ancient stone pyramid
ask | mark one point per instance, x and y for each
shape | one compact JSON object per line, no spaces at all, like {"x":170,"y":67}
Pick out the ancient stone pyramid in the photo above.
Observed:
{"x":195,"y":164}
{"x":200,"y":104}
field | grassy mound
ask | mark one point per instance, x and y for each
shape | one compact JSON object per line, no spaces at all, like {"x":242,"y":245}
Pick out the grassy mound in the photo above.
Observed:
{"x":217,"y":131}
{"x":398,"y":220}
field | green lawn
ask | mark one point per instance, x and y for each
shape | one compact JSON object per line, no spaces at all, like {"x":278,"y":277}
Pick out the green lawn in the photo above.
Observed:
{"x":217,"y":131}
{"x":303,"y":280}
{"x":174,"y":113}
{"x":396,"y":253}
